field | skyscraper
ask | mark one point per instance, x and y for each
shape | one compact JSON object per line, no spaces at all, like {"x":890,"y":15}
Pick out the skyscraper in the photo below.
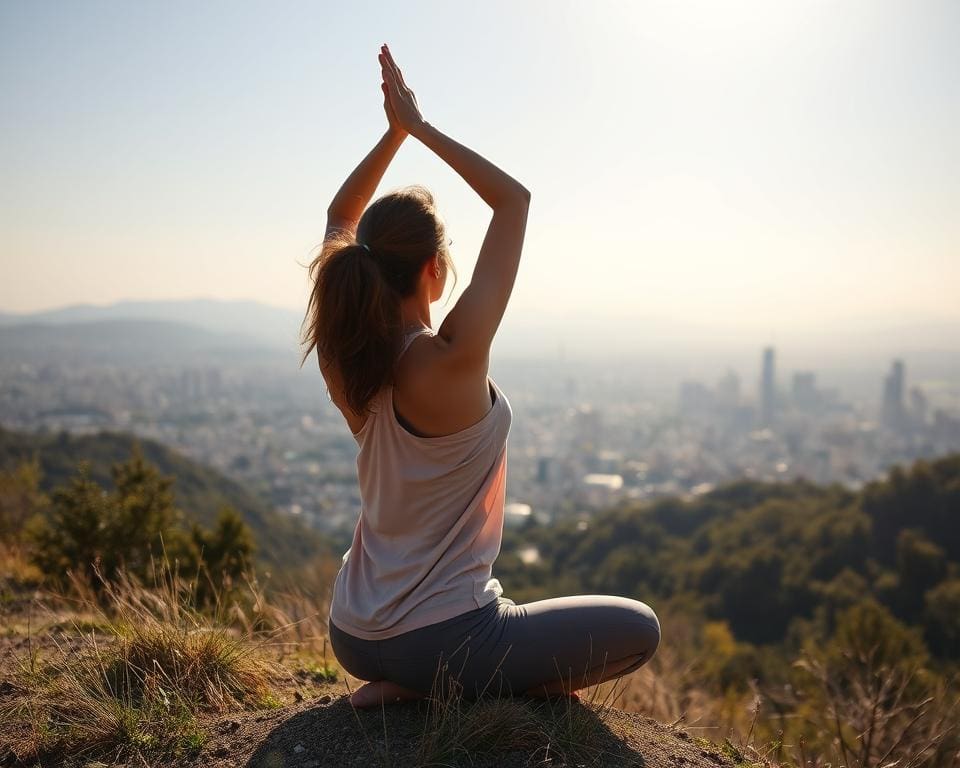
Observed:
{"x":768,"y":390}
{"x":893,"y":408}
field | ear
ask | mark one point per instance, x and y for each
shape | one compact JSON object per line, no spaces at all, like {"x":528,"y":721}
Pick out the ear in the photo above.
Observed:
{"x":432,"y":266}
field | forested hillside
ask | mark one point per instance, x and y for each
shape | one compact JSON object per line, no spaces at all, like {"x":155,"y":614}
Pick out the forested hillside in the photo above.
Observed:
{"x":281,"y":541}
{"x":776,"y":562}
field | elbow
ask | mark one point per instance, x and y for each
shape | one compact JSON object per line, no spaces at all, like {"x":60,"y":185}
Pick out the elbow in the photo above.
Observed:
{"x":522,"y":195}
{"x":518,"y":197}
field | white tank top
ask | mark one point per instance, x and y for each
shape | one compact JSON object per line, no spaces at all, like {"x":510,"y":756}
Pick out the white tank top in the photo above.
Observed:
{"x":431,"y":521}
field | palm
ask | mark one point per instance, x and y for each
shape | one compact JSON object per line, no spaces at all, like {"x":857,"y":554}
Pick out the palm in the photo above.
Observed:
{"x":388,"y":108}
{"x":400,"y":103}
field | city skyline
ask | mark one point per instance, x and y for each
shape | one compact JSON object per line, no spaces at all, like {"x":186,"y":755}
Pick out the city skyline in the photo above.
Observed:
{"x":580,"y":442}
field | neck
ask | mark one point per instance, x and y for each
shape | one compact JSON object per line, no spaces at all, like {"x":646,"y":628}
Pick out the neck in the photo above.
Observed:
{"x":415,"y":312}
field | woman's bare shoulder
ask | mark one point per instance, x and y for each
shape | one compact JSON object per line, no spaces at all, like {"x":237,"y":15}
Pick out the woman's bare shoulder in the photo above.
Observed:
{"x":435,"y":392}
{"x":434,"y":357}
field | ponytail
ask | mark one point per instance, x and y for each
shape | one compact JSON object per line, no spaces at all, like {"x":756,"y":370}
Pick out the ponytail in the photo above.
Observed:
{"x":353,"y":316}
{"x":354,"y":319}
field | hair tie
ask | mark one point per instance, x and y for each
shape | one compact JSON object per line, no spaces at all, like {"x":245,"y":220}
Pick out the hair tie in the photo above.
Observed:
{"x":368,"y":248}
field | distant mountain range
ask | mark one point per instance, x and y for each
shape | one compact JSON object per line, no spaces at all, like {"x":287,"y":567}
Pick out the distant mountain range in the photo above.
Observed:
{"x":132,"y":342}
{"x":222,"y":330}
{"x":154,"y":331}
{"x":234,"y":323}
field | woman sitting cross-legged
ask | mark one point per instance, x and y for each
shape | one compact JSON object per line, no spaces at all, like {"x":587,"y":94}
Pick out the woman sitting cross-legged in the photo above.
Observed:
{"x":414,"y":595}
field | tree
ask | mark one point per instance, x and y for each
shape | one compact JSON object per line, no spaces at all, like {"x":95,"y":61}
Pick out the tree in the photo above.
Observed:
{"x":925,"y":496}
{"x":219,"y":556}
{"x":135,"y":524}
{"x":921,"y":565}
{"x":942,"y":619}
{"x":76,"y":530}
{"x":144,"y":515}
{"x":20,"y":499}
{"x":869,"y":695}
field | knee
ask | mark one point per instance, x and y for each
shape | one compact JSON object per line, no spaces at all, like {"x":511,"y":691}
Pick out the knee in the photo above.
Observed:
{"x":646,"y":627}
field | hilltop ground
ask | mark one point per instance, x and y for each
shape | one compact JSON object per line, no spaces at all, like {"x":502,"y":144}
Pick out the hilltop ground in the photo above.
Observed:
{"x":308,"y":722}
{"x":326,"y":730}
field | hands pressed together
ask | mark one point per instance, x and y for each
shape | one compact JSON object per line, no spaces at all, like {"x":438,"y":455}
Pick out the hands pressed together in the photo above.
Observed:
{"x":399,"y":102}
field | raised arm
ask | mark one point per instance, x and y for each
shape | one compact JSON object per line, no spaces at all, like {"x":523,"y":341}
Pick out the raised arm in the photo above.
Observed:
{"x":470,"y":326}
{"x":473,"y":321}
{"x":354,"y":194}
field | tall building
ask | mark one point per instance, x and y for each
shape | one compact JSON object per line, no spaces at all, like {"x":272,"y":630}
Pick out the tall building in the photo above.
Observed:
{"x":892,"y":413}
{"x":768,"y":389}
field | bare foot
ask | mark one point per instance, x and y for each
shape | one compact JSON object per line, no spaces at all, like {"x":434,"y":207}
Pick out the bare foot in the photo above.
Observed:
{"x":371,"y":694}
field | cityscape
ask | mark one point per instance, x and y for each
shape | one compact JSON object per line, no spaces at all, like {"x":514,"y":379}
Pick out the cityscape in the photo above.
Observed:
{"x":577,"y":444}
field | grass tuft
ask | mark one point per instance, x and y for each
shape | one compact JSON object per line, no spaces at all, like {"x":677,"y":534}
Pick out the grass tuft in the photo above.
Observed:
{"x":455,"y":728}
{"x":141,"y":687}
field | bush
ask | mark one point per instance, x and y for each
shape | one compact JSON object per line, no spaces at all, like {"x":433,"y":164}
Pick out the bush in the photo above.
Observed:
{"x":20,"y":500}
{"x":89,"y":529}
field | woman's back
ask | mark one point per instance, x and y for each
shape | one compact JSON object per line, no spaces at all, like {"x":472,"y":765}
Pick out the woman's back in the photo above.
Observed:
{"x":431,"y":522}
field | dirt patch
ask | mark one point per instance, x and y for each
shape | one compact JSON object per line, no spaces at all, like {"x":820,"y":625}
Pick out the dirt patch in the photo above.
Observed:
{"x":327,"y":731}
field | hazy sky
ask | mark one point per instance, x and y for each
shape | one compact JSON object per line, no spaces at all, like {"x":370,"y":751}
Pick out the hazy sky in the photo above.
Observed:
{"x":763,"y":165}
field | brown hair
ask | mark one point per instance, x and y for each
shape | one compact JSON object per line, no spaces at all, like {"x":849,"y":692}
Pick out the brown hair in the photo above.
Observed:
{"x":353,"y":316}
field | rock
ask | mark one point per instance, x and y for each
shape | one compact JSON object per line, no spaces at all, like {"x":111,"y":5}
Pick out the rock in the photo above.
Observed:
{"x":228,"y":726}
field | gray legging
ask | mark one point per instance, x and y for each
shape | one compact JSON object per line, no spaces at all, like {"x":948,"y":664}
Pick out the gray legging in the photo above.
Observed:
{"x":505,"y":649}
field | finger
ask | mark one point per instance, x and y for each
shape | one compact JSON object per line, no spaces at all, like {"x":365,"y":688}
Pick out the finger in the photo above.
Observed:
{"x":394,"y":64}
{"x":398,"y":71}
{"x":385,"y":61}
{"x":391,"y":80}
{"x":389,"y":75}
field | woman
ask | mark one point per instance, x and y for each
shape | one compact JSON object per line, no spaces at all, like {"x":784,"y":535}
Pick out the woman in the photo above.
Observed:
{"x":414,"y":600}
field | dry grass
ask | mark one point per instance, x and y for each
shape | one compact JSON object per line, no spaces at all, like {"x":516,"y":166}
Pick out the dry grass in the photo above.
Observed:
{"x":139,"y":687}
